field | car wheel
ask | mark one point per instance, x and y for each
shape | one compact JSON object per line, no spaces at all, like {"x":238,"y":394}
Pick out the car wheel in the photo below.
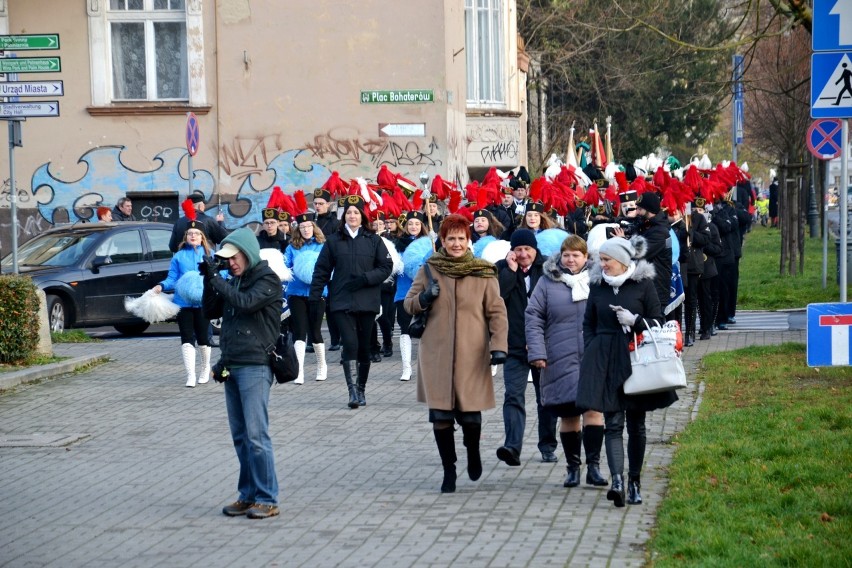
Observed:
{"x":132,"y":328}
{"x":56,"y":313}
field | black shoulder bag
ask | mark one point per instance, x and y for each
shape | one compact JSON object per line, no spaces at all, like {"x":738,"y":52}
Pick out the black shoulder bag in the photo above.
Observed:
{"x":282,"y":359}
{"x":418,"y":321}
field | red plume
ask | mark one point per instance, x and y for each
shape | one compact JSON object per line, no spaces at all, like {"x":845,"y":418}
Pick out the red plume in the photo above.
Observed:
{"x":466,"y":213}
{"x":402,"y":201}
{"x":471,"y":191}
{"x":692,"y":179}
{"x":455,"y":200}
{"x":335,"y":185}
{"x":591,"y":197}
{"x":482,"y":198}
{"x":385,"y":178}
{"x":390,"y":205}
{"x":661,"y":178}
{"x":417,"y":200}
{"x":491,"y":177}
{"x":536,"y":188}
{"x":621,"y":180}
{"x":442,"y":188}
{"x":301,"y":202}
{"x":188,"y":209}
{"x":288,"y":204}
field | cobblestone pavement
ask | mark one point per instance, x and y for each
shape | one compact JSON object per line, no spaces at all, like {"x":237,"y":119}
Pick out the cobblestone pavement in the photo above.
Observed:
{"x":153,"y":465}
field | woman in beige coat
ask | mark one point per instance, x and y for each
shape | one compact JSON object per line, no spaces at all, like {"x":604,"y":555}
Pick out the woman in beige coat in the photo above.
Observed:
{"x":466,"y":334}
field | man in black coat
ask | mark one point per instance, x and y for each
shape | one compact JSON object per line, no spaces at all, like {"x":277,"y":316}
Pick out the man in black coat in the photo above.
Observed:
{"x":504,"y":212}
{"x":213,"y":228}
{"x":123,"y":210}
{"x":655,"y":230}
{"x":725,"y":219}
{"x":517,"y":275}
{"x":328,"y":223}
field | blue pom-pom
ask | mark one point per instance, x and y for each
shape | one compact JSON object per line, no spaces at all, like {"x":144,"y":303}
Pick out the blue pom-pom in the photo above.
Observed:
{"x":190,"y":287}
{"x":550,"y":241}
{"x":480,"y":245}
{"x":303,"y":265}
{"x":415,"y":255}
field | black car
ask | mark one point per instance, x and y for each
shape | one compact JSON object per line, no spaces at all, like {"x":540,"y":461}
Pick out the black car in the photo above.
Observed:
{"x":86,"y":271}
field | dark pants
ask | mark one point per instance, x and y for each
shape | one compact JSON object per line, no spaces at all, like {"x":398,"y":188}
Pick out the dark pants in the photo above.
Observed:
{"x":300,"y":324}
{"x":333,"y":331}
{"x":515,"y":373}
{"x":384,"y":322}
{"x":705,"y":302}
{"x":691,"y":307}
{"x":193,"y":326}
{"x":735,"y":286}
{"x":403,"y":318}
{"x":614,"y":436}
{"x":727,"y":275}
{"x":355,"y":328}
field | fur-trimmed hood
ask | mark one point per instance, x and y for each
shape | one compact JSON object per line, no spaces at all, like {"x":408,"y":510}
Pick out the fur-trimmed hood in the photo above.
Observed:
{"x":553,"y":270}
{"x":644,"y":271}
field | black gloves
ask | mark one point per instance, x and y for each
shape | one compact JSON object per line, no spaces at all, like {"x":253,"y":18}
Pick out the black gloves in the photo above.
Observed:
{"x":428,"y":295}
{"x":355,"y":283}
{"x":208,"y":267}
{"x":498,"y":357}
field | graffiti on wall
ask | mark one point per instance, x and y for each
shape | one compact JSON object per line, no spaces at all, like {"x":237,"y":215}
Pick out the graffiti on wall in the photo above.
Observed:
{"x":350,"y":150}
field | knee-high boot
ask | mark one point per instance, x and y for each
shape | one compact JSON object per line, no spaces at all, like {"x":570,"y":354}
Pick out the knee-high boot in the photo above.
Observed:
{"x":188,"y":352}
{"x":471,"y":433}
{"x":405,"y":353}
{"x":447,"y":450}
{"x":571,"y":442}
{"x":322,"y":369}
{"x":348,"y":372}
{"x":592,"y":443}
{"x":361,"y":385}
{"x":299,"y":347}
{"x":204,"y":375}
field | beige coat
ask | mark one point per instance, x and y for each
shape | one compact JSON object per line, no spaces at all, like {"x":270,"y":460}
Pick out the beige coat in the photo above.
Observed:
{"x":467,"y":321}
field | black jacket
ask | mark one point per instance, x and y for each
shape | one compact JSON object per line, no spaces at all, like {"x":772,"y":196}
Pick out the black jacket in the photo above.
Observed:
{"x":712,"y":249}
{"x":726,"y":221}
{"x":214,"y":230}
{"x":513,"y":290}
{"x":364,"y":257}
{"x":699,"y":234}
{"x":328,"y":223}
{"x":656,"y":231}
{"x":278,"y":241}
{"x":117,"y":215}
{"x":250,"y":308}
{"x":502,"y":215}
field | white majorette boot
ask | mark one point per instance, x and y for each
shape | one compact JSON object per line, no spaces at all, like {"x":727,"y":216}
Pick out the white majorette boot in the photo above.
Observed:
{"x":405,"y":353}
{"x":299,"y":346}
{"x":204,"y":375}
{"x":188,"y":352}
{"x":322,"y":370}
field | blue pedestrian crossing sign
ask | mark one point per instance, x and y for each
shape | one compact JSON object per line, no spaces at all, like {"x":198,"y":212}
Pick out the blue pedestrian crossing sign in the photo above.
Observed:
{"x":828,"y":334}
{"x":831,"y":85}
{"x":832,"y":25}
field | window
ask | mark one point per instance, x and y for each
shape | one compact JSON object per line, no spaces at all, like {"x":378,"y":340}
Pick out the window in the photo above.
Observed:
{"x":122,"y":247}
{"x":159,"y":239}
{"x":484,"y":45}
{"x":148,"y":50}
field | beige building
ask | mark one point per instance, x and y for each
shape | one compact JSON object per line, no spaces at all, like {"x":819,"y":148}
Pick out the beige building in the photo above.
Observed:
{"x":284,"y":94}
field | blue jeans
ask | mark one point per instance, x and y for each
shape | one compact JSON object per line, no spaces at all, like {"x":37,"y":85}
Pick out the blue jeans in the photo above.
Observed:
{"x":247,"y":400}
{"x":515,"y":374}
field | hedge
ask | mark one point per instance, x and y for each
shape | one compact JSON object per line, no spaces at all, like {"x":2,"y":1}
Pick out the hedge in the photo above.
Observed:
{"x":19,"y":317}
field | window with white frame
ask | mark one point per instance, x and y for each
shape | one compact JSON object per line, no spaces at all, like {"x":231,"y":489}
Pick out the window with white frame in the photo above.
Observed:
{"x":148,"y":50}
{"x":484,"y":44}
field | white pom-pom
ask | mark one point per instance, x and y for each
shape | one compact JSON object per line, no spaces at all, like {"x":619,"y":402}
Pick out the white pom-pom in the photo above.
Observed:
{"x":596,"y":237}
{"x":152,"y":307}
{"x":395,"y":257}
{"x":275,"y":259}
{"x":496,"y":251}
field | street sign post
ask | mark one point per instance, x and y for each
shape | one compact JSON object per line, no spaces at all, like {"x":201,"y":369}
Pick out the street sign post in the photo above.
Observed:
{"x":193,"y":136}
{"x":31,"y":109}
{"x":31,"y":65}
{"x":41,"y":42}
{"x":32,"y":89}
{"x":824,"y":138}
{"x":832,"y":25}
{"x":828,"y":334}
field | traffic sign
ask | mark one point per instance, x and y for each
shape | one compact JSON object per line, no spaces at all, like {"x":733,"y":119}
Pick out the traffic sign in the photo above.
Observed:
{"x":739,"y":123}
{"x":192,"y":133}
{"x":397,"y":97}
{"x":32,"y":109}
{"x":409,"y":129}
{"x":32,"y":89}
{"x":31,"y":65}
{"x":828,"y":334}
{"x":832,"y":25}
{"x":28,"y":42}
{"x":825,"y":139}
{"x":831,"y":85}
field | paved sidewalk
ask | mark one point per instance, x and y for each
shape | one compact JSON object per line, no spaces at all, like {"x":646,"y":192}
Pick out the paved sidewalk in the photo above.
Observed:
{"x":153,"y":466}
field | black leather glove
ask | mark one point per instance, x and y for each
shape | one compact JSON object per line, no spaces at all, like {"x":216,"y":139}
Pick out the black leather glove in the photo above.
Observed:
{"x":498,"y":357}
{"x":208,"y":267}
{"x":428,"y":295}
{"x":355,"y":283}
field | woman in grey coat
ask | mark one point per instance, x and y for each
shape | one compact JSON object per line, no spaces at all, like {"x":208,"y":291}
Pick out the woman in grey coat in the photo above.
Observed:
{"x":554,"y":329}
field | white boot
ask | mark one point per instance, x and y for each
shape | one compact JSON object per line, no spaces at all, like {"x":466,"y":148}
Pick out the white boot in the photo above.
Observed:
{"x":493,"y":370}
{"x":322,"y":370}
{"x":405,"y":352}
{"x":204,"y":375}
{"x":529,"y":377}
{"x":188,"y":352}
{"x":299,"y":346}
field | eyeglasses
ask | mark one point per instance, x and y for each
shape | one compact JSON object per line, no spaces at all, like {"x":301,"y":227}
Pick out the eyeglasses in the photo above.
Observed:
{"x":193,"y":233}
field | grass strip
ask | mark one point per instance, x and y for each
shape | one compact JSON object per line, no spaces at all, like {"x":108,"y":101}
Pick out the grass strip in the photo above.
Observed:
{"x":763,"y":477}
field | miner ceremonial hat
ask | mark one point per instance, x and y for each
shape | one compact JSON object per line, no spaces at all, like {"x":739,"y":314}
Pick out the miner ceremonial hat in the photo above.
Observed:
{"x":348,"y":201}
{"x":418,"y":215}
{"x":536,"y":206}
{"x":322,"y":194}
{"x":628,"y":196}
{"x":196,"y":197}
{"x":650,"y":202}
{"x":307,"y":216}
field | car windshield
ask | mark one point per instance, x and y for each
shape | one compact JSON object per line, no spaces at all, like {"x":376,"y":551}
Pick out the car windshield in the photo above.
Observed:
{"x":55,"y":249}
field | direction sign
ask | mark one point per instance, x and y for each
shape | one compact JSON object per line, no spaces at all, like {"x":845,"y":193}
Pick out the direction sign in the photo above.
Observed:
{"x":31,"y":65}
{"x":192,"y":133}
{"x":828,"y":334}
{"x":32,"y":89}
{"x":33,"y":109}
{"x":397,"y":97}
{"x":27,"y":42}
{"x":831,"y":85}
{"x":410,"y":129}
{"x":832,"y":25}
{"x":824,"y":138}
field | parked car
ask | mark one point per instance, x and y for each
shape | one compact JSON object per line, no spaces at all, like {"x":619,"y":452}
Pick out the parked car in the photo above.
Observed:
{"x":86,"y":271}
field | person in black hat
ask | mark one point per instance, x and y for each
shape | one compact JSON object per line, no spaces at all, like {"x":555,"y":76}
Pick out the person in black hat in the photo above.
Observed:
{"x":504,"y":212}
{"x":535,"y":218}
{"x":328,"y":223}
{"x":518,"y":275}
{"x":271,"y":235}
{"x":413,"y":257}
{"x":385,"y":321}
{"x":353,"y":263}
{"x":655,"y":230}
{"x":213,"y":228}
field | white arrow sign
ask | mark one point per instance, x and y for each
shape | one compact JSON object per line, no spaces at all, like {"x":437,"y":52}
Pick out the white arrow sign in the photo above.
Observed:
{"x":40,"y":108}
{"x":843,"y":9}
{"x":32,"y":89}
{"x":409,"y":129}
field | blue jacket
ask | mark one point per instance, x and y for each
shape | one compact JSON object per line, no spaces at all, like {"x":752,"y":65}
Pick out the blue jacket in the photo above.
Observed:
{"x":185,"y":260}
{"x":297,"y":286}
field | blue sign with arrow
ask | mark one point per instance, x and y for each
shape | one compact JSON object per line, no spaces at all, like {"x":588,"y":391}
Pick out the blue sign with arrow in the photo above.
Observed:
{"x":832,"y":25}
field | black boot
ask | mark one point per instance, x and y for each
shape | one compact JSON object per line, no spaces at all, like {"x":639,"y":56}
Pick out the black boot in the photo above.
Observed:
{"x":616,"y":491}
{"x":633,"y":495}
{"x":571,"y":442}
{"x":472,"y":433}
{"x":387,"y":350}
{"x":592,"y":441}
{"x":447,"y":450}
{"x":348,"y":371}
{"x":363,"y":373}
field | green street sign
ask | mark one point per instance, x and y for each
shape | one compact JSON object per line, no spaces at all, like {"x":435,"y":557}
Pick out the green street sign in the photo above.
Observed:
{"x":31,"y":65}
{"x":402,"y":96}
{"x":29,"y":41}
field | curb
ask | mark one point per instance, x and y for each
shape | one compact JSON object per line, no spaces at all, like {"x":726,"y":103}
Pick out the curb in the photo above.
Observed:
{"x":14,"y":378}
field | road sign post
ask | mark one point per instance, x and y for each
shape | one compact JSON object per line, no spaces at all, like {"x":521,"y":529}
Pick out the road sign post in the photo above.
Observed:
{"x":31,"y":65}
{"x":41,"y":42}
{"x":828,"y":334}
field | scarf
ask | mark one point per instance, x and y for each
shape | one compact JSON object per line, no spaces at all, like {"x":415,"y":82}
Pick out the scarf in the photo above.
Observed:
{"x":459,"y":267}
{"x":617,"y":281}
{"x":579,"y":284}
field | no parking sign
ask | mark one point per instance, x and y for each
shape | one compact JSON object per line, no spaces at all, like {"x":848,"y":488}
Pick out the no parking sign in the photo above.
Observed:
{"x":825,"y":139}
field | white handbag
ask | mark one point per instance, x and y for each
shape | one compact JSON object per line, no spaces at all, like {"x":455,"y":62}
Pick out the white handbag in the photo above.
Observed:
{"x":656,"y":365}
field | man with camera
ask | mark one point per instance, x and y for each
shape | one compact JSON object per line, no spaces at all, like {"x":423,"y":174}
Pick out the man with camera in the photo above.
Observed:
{"x":250,"y":307}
